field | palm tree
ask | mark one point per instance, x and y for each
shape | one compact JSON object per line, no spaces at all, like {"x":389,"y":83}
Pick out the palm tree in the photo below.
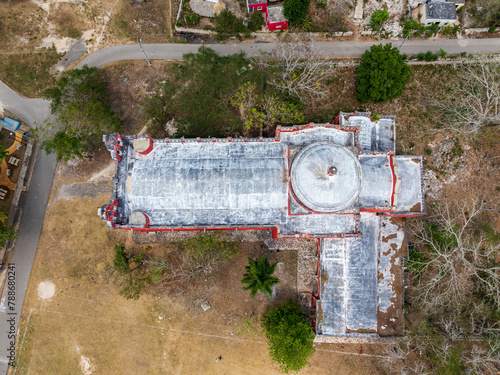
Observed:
{"x":259,"y":276}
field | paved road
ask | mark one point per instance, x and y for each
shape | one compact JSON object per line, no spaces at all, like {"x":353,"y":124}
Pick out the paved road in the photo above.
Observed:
{"x":35,"y":111}
{"x":32,"y":112}
{"x":26,"y":244}
{"x":328,"y":49}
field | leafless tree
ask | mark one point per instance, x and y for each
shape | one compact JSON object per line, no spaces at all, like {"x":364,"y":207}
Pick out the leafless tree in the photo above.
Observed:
{"x":482,"y":360}
{"x":474,"y":100}
{"x":297,"y":69}
{"x":460,"y":257}
{"x":456,"y":286}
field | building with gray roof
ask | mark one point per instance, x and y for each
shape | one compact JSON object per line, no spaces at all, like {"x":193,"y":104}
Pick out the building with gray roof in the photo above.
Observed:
{"x":441,"y":13}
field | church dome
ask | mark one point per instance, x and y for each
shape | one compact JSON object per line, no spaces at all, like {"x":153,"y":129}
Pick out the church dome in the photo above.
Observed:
{"x":326,"y":177}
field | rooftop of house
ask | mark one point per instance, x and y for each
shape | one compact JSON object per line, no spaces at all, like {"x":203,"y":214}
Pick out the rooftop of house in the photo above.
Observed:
{"x":207,"y":8}
{"x":275,"y":14}
{"x":441,"y":10}
{"x":253,"y":2}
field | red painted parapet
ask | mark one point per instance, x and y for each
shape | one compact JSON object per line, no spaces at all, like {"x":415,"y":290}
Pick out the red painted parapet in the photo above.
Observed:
{"x":117,"y":144}
{"x":394,"y":178}
{"x":149,"y":149}
{"x":111,"y":213}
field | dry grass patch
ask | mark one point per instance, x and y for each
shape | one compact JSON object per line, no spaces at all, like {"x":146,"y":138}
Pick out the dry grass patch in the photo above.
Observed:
{"x":22,"y":25}
{"x":149,"y":19}
{"x":28,"y":73}
{"x":69,"y":20}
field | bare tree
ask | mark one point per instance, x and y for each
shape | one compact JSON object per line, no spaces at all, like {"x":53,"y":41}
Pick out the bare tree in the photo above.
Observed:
{"x":455,"y":287}
{"x":297,"y":69}
{"x":457,"y":255}
{"x":474,"y":100}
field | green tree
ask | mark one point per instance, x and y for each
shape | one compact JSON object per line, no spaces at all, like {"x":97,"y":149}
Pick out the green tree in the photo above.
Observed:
{"x":264,"y":111}
{"x":227,"y":25}
{"x":130,"y":272}
{"x":295,"y":10}
{"x":378,"y":18}
{"x":7,"y":232}
{"x":382,"y":75}
{"x":199,"y":91}
{"x":3,"y":153}
{"x":256,"y":21}
{"x":259,"y":277}
{"x":290,"y":336}
{"x":81,"y":102}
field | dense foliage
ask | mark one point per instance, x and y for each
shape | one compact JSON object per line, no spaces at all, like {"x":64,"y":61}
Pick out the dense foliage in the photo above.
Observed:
{"x":80,"y":101}
{"x":290,"y":336}
{"x":382,"y":75}
{"x":130,"y":273}
{"x":198,"y":94}
{"x":256,"y":21}
{"x":227,"y":25}
{"x":427,"y":56}
{"x":295,"y":10}
{"x":3,"y":153}
{"x":7,"y":232}
{"x":263,"y":111}
{"x":378,"y":18}
{"x":259,"y":276}
{"x":485,"y":13}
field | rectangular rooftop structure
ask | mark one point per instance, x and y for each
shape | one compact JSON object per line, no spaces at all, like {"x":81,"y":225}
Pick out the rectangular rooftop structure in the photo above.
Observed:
{"x":244,"y":181}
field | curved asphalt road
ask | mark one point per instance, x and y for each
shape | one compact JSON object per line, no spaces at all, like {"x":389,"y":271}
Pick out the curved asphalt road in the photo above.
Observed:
{"x":328,"y":49}
{"x":36,"y":111}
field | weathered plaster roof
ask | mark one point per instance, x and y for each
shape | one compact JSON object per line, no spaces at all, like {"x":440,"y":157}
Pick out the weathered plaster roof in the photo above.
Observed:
{"x":410,"y":195}
{"x":275,"y":14}
{"x":207,"y":8}
{"x":210,"y":183}
{"x":361,"y":280}
{"x":441,"y":11}
{"x":326,"y":177}
{"x":377,"y":170}
{"x":374,"y":135}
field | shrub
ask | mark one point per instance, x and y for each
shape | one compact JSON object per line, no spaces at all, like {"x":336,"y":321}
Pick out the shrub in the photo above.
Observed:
{"x":492,"y":29}
{"x":321,"y":4}
{"x":428,"y":56}
{"x":378,"y":18}
{"x":192,"y":19}
{"x":290,"y":337}
{"x":442,"y":52}
{"x":256,"y":21}
{"x":227,"y":25}
{"x":295,"y":10}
